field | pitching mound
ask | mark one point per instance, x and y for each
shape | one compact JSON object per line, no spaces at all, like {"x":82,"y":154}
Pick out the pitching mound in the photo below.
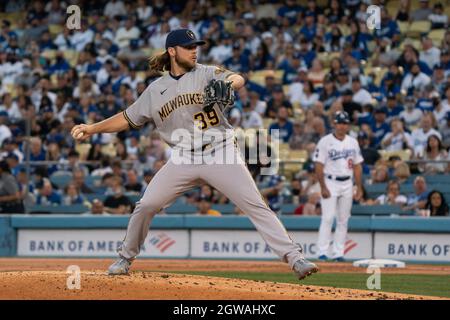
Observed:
{"x":156,"y":285}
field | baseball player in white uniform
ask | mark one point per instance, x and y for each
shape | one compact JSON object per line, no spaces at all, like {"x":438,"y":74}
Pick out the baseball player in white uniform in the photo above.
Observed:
{"x":337,"y":160}
{"x":177,"y":100}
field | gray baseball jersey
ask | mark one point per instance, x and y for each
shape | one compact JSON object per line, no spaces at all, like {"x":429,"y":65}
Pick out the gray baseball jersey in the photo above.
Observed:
{"x":177,"y":102}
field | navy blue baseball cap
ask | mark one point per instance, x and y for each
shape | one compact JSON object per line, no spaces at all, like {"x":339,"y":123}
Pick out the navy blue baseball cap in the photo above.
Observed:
{"x":341,"y":117}
{"x":183,"y":38}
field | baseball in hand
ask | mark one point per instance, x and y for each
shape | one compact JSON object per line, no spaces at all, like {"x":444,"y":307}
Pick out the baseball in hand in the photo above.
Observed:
{"x":79,"y":135}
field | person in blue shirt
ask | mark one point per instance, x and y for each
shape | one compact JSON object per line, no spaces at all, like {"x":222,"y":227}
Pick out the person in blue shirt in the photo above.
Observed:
{"x":273,"y":191}
{"x":392,"y":106}
{"x":46,"y":194}
{"x":60,"y":66}
{"x":289,"y":10}
{"x":291,"y":69}
{"x":238,"y":61}
{"x":388,"y":28}
{"x":283,"y":124}
{"x":307,"y":55}
{"x":380,"y":127}
{"x":93,"y":65}
{"x":309,"y":29}
{"x":6,"y":33}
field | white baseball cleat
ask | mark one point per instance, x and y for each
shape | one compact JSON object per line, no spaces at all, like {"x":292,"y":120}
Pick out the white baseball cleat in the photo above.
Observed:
{"x":304,"y":268}
{"x":120,"y":267}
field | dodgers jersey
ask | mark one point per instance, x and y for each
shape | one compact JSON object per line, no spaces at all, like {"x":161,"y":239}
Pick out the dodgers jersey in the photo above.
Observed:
{"x":177,"y":103}
{"x":338,"y":157}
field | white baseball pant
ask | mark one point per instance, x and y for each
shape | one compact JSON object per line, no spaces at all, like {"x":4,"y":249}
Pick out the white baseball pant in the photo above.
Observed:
{"x":338,"y":206}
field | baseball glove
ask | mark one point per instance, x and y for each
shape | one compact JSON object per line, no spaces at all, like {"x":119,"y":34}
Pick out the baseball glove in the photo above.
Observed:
{"x":220,"y":92}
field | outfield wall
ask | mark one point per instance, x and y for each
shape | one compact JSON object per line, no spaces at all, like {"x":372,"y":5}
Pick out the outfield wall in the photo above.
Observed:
{"x":229,"y":237}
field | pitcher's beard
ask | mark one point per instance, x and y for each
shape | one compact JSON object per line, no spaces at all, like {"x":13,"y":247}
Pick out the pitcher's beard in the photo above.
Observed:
{"x":184,"y":64}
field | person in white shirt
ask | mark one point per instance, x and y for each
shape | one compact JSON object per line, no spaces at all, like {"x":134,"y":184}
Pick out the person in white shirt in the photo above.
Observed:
{"x":360,"y":95}
{"x":5,"y":132}
{"x":415,"y":79}
{"x":10,"y":106}
{"x":420,"y":135}
{"x":223,"y":51}
{"x":392,"y":196}
{"x":82,"y":37}
{"x":397,"y":139}
{"x":114,"y":8}
{"x":440,"y":110}
{"x":143,"y":11}
{"x":158,"y":39}
{"x":411,"y":115}
{"x":126,"y":33}
{"x":308,"y":98}
{"x":430,"y":54}
{"x":337,"y":160}
{"x":250,"y":118}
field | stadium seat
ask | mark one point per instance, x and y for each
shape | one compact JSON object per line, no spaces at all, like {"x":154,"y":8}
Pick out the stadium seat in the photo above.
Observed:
{"x":403,"y":25}
{"x":224,"y":208}
{"x":49,"y":54}
{"x":61,"y":179}
{"x":437,"y":35}
{"x":181,"y":209}
{"x":405,"y":155}
{"x":55,"y":29}
{"x":417,"y":28}
{"x":59,"y":209}
{"x":379,"y":210}
{"x":288,"y":209}
{"x":83,"y":149}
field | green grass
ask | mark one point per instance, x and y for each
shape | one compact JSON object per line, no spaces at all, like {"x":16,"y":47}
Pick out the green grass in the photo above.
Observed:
{"x":428,"y":285}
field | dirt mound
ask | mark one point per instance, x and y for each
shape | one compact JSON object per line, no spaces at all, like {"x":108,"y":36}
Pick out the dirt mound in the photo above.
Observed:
{"x":157,"y":285}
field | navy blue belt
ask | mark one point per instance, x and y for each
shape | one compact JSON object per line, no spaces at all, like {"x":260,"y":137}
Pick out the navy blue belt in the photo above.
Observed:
{"x":338,"y":178}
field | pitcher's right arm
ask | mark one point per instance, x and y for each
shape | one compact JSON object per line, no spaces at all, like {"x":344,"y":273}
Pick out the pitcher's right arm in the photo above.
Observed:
{"x":113,"y":124}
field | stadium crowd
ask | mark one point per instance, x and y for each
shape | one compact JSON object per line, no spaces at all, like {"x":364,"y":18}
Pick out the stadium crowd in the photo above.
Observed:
{"x":303,"y":61}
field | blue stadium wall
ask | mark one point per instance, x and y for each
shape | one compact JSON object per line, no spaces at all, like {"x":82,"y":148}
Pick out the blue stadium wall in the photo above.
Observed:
{"x":413,"y":239}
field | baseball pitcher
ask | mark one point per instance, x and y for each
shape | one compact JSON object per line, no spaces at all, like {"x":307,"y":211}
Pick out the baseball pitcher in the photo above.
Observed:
{"x":191,"y":97}
{"x":337,"y":160}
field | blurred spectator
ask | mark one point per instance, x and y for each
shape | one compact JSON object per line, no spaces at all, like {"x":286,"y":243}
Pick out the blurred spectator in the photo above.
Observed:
{"x":380,"y":173}
{"x":126,"y":33}
{"x":78,"y":179}
{"x":312,"y":207}
{"x":401,"y":172}
{"x":133,"y":184}
{"x":72,"y":196}
{"x":439,"y":20}
{"x":397,"y":139}
{"x":284,"y":125}
{"x":430,"y":54}
{"x":204,"y":207}
{"x":379,"y":128}
{"x":445,"y":131}
{"x":46,"y":195}
{"x":436,"y":205}
{"x":273,"y":192}
{"x":117,"y":202}
{"x":418,"y":199}
{"x":420,"y":135}
{"x":369,"y":154}
{"x":148,"y":176}
{"x":360,"y":95}
{"x":97,"y":207}
{"x":392,"y":196}
{"x":434,"y":152}
{"x":308,"y":98}
{"x":423,"y":12}
{"x":297,"y":140}
{"x":277,"y":101}
{"x":10,"y":196}
{"x":114,"y":8}
{"x":415,"y":79}
{"x":5,"y":132}
{"x":411,"y":115}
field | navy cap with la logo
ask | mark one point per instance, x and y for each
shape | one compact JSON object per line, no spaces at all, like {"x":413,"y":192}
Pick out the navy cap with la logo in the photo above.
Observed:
{"x":183,"y":38}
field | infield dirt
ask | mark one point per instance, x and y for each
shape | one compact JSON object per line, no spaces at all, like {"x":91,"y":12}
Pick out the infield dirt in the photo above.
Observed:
{"x":151,"y":279}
